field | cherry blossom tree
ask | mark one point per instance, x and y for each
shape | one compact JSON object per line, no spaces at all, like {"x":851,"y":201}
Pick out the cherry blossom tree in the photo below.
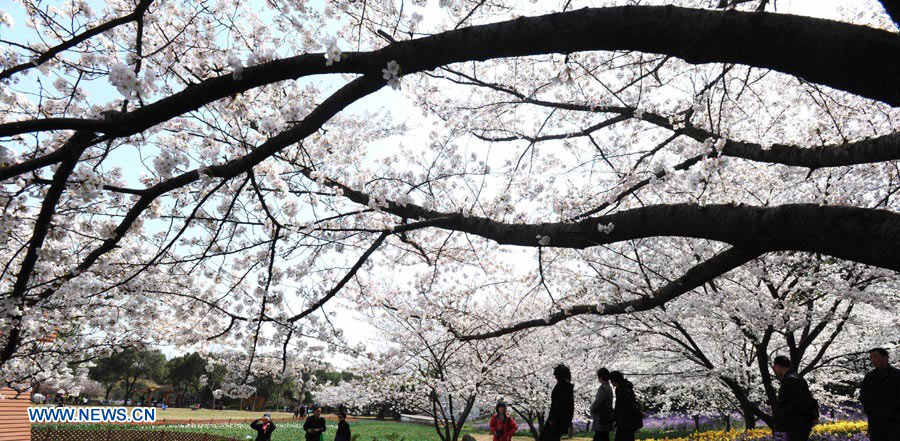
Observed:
{"x":818,"y":312}
{"x":427,"y":370}
{"x":523,"y":379}
{"x":199,"y":174}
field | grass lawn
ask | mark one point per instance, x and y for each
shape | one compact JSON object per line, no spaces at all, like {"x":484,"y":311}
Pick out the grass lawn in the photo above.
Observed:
{"x":367,"y":430}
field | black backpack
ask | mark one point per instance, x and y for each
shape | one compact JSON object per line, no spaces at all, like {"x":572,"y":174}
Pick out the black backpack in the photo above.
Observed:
{"x":811,"y":407}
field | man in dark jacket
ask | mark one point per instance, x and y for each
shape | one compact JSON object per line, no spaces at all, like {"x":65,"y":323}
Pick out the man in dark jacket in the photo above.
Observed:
{"x":628,"y":414}
{"x":314,"y":425}
{"x":562,"y":406}
{"x":795,"y":411}
{"x":880,"y":396}
{"x":264,"y":428}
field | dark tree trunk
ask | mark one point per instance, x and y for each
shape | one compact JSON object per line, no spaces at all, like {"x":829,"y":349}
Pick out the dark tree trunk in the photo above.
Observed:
{"x":532,"y":418}
{"x":129,"y":388}
{"x":749,"y":418}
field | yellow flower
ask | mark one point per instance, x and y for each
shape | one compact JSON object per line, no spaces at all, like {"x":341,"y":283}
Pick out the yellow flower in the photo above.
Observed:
{"x":834,"y":428}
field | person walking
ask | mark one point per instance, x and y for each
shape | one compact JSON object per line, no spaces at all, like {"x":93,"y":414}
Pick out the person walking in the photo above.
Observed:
{"x":502,"y":425}
{"x":343,"y":430}
{"x":627,"y":413}
{"x":314,"y":425}
{"x":880,"y":397}
{"x":795,"y":411}
{"x":264,"y":427}
{"x":602,"y":414}
{"x":562,"y":406}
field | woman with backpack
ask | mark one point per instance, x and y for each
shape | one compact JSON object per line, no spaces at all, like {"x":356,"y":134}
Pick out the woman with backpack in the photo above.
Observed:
{"x":628,"y":414}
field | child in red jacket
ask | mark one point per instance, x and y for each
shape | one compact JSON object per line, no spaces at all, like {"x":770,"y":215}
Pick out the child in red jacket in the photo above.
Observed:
{"x":502,"y":425}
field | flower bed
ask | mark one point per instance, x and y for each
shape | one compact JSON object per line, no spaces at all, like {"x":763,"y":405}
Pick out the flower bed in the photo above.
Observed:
{"x":836,"y":431}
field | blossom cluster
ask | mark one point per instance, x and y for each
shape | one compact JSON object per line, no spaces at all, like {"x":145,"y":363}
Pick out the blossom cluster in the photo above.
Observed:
{"x":168,"y":161}
{"x":126,"y":80}
{"x":332,"y":52}
{"x":392,"y":74}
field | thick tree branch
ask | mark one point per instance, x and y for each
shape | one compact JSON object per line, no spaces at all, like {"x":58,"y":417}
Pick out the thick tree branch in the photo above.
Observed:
{"x":865,"y":151}
{"x":864,"y":235}
{"x":41,"y":227}
{"x":857,"y":59}
{"x":892,"y":7}
{"x":76,"y":144}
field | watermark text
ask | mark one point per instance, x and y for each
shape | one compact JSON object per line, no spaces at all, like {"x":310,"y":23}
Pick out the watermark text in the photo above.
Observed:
{"x":92,"y":414}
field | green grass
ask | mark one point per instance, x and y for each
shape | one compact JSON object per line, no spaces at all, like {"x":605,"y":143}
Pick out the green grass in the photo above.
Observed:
{"x":366,"y":430}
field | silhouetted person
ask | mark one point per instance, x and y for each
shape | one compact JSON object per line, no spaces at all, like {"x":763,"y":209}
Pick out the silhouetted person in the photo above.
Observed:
{"x":264,"y":427}
{"x":562,"y":406}
{"x":880,"y":396}
{"x":627,"y":412}
{"x":502,"y":424}
{"x":343,"y":430}
{"x":795,"y":411}
{"x":314,"y":425}
{"x":602,"y":408}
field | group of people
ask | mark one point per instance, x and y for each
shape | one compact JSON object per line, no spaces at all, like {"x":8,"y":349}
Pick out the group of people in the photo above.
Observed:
{"x":314,"y":427}
{"x":795,"y":412}
{"x":625,"y":416}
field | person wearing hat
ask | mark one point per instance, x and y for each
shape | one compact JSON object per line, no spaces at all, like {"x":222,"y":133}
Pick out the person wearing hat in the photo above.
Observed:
{"x":314,"y":425}
{"x":264,"y":427}
{"x":502,"y":425}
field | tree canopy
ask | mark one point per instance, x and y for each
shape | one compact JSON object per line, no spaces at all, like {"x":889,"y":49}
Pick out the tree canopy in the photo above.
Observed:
{"x":198,"y":174}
